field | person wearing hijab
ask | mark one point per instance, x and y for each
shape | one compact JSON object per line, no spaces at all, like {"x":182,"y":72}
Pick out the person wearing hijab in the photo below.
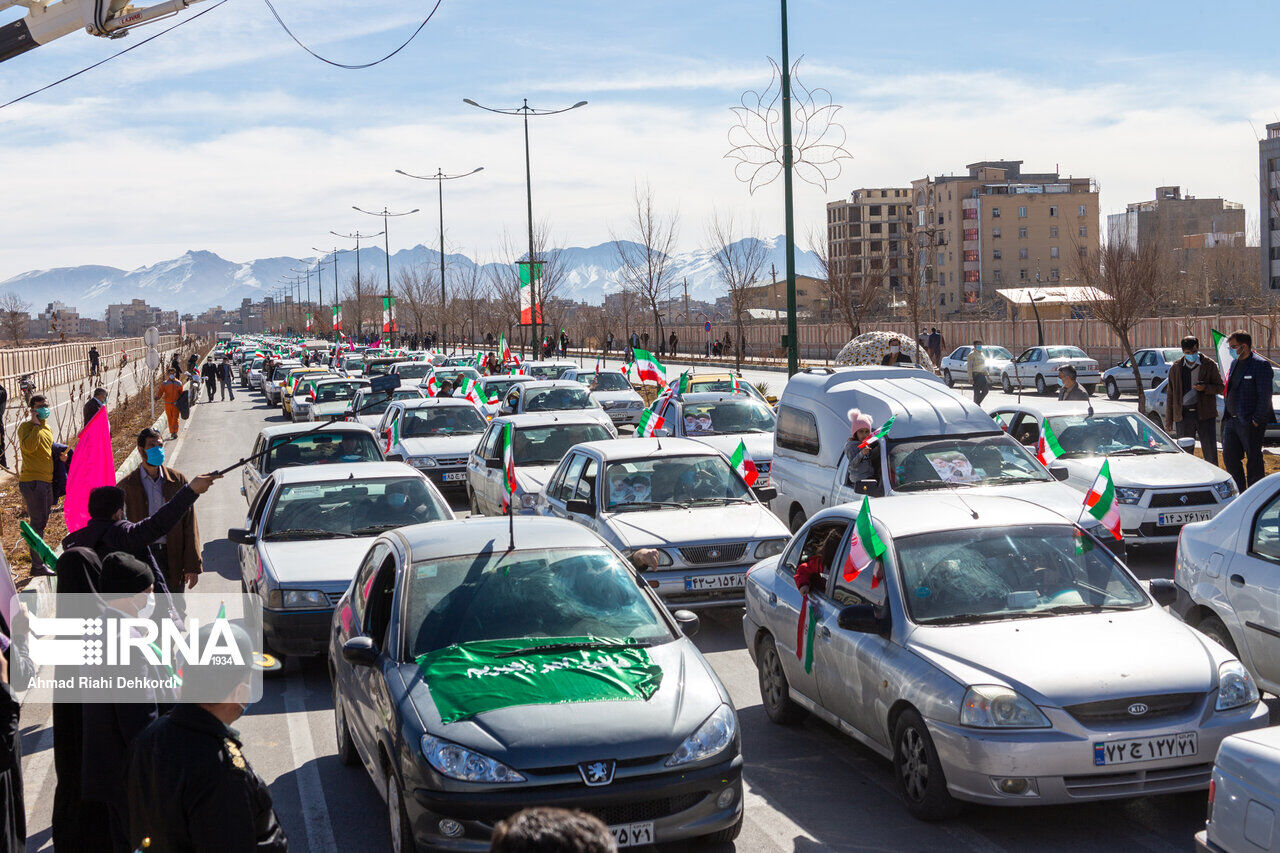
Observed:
{"x":864,"y":463}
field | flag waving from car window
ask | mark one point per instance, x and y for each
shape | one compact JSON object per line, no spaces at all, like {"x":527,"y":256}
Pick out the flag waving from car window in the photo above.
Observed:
{"x":1047,"y":449}
{"x":865,"y":547}
{"x":1101,"y":501}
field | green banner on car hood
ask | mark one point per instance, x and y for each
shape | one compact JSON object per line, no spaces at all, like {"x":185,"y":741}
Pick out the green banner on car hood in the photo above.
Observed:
{"x":471,"y":678}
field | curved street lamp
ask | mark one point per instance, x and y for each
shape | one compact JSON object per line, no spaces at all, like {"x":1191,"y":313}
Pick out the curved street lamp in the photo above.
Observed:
{"x":385,"y":214}
{"x":357,"y":236}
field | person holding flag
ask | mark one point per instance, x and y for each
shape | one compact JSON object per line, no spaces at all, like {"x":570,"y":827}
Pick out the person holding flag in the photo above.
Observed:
{"x":863,"y":448}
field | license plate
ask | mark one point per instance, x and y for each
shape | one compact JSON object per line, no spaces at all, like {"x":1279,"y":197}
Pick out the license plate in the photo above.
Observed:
{"x":1166,"y":519}
{"x":714,"y":582}
{"x":455,"y":476}
{"x":632,"y":834}
{"x":1177,"y":745}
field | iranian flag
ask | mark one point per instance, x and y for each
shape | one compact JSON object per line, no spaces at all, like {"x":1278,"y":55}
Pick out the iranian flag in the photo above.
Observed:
{"x":878,"y":434}
{"x":388,"y":315}
{"x":806,"y":628}
{"x":1226,"y":358}
{"x":473,"y":393}
{"x":508,"y":464}
{"x":337,"y":318}
{"x":504,"y":349}
{"x":1101,"y":501}
{"x":1047,"y":449}
{"x":743,"y":463}
{"x":526,"y":292}
{"x":393,"y":435}
{"x":649,"y":423}
{"x":738,"y":387}
{"x":433,"y":387}
{"x":686,"y":381}
{"x":308,"y":321}
{"x":865,"y":546}
{"x":649,"y":369}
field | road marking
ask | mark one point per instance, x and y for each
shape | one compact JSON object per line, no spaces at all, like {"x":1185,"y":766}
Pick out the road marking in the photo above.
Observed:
{"x":315,"y":816}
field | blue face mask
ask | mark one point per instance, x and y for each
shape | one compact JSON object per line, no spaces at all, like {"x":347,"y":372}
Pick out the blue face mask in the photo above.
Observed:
{"x":1192,"y":358}
{"x":43,"y":413}
{"x":155,"y":456}
{"x":397,"y":499}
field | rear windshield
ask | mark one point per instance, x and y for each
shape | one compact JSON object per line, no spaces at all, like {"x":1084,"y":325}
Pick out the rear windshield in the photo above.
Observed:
{"x":322,"y":447}
{"x":605,"y":380}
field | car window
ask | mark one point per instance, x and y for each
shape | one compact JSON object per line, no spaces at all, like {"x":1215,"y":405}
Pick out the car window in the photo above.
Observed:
{"x":585,"y":488}
{"x":557,"y":399}
{"x":1109,"y":435}
{"x":728,"y":417}
{"x":1265,"y":539}
{"x":917,"y":465}
{"x":332,"y":392}
{"x":566,"y":483}
{"x":1171,"y":355}
{"x":322,"y":447}
{"x":377,"y":615}
{"x":355,"y":507}
{"x":488,"y":447}
{"x":413,"y":371}
{"x":641,"y":484}
{"x":797,"y":430}
{"x":1027,"y":430}
{"x":959,"y":353}
{"x":1066,"y":352}
{"x":499,"y":387}
{"x":547,"y":445}
{"x":865,"y":587}
{"x":818,"y":548}
{"x":442,"y":420}
{"x":1147,"y":359}
{"x":364,"y":580}
{"x":604,"y":380}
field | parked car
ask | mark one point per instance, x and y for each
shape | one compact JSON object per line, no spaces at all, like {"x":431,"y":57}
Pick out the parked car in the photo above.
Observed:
{"x":554,"y":395}
{"x":337,"y":442}
{"x":436,"y":436}
{"x":677,"y":496}
{"x":411,"y":372}
{"x":368,"y":406}
{"x":612,"y":391}
{"x":329,"y":398}
{"x":1157,"y":398}
{"x":1159,"y":486}
{"x":722,"y":421}
{"x":998,"y":655}
{"x":548,"y":369}
{"x":305,"y":533}
{"x":1227,"y":571}
{"x":660,"y":770}
{"x":539,"y":443}
{"x":1153,"y":367}
{"x":1244,"y":796}
{"x":1038,"y":368}
{"x":955,"y":367}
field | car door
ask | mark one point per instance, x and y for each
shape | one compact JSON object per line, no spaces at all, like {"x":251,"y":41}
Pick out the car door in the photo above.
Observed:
{"x":561,"y":486}
{"x":1021,"y":366}
{"x":252,"y":471}
{"x":1025,"y":429}
{"x":486,"y":482}
{"x":250,"y":561}
{"x":374,"y":584}
{"x":1253,"y":588}
{"x":389,"y":419}
{"x":786,"y":609}
{"x":1124,"y":375}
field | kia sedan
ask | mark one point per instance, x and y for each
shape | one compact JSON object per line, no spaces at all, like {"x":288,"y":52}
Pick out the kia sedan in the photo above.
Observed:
{"x":464,"y":657}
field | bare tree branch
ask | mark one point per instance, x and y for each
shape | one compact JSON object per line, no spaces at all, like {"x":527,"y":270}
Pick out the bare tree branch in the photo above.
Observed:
{"x":738,"y":260}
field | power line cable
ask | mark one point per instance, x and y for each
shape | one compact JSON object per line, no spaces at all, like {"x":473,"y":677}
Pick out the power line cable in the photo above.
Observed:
{"x":298,"y":41}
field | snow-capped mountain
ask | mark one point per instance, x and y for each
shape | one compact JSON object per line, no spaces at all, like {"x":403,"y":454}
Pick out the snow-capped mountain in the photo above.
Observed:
{"x":201,"y":279}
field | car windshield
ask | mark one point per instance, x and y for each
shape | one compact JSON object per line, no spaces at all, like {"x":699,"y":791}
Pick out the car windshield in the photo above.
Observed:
{"x":728,"y":417}
{"x":378,"y":368}
{"x":967,"y":460}
{"x":549,"y":371}
{"x":1065,"y":352}
{"x":500,"y":594}
{"x":353,"y":363}
{"x":605,"y":380}
{"x":356,"y":507}
{"x":322,"y":447}
{"x":453,"y":373}
{"x":441,"y":420}
{"x":1109,"y":435}
{"x":330,"y":392}
{"x":413,"y":371}
{"x":698,"y":386}
{"x":557,"y":399}
{"x":988,"y":574}
{"x":674,"y":481}
{"x":547,"y":445}
{"x":376,"y":403}
{"x":995,"y":352}
{"x":498,"y":388}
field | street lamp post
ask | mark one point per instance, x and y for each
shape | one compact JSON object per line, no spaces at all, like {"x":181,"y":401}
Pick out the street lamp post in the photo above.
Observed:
{"x":793,"y":346}
{"x":337,"y":300}
{"x":1039,"y":326}
{"x":385,"y":214}
{"x":357,"y":236}
{"x":524,"y":112}
{"x":440,"y":177}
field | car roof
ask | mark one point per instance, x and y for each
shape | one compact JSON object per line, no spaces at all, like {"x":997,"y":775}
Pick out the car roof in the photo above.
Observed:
{"x":338,"y":471}
{"x":715,"y":397}
{"x":616,"y":449}
{"x":922,"y":404}
{"x":440,"y":539}
{"x":537,"y":419}
{"x":359,"y":380}
{"x":907,"y":515}
{"x":331,"y":426}
{"x":428,"y":402}
{"x":1053,"y":408}
{"x":409,"y":362}
{"x":502,"y":377}
{"x":554,"y":383}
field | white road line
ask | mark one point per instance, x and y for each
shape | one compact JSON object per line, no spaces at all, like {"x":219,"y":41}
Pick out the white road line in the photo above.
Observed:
{"x":315,"y":816}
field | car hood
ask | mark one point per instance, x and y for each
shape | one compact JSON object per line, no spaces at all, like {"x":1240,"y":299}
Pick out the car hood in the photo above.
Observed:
{"x":1066,"y":660}
{"x":532,"y":736}
{"x":532,"y":478}
{"x":603,"y":397}
{"x":1157,"y":470}
{"x":327,"y":562}
{"x":673,"y":527}
{"x":759,"y":444}
{"x":440,"y":445}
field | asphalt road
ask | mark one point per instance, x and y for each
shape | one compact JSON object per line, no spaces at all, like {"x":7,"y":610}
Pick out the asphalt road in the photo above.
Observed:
{"x":808,"y":788}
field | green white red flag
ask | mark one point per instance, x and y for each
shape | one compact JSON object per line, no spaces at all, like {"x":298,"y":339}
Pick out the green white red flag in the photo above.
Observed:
{"x":806,"y":628}
{"x":388,"y":314}
{"x":1101,"y":501}
{"x":686,"y":381}
{"x":509,"y":483}
{"x":504,"y":349}
{"x":743,"y":463}
{"x":865,"y":547}
{"x":337,"y":318}
{"x":1226,"y":357}
{"x":650,"y":422}
{"x":649,"y":369}
{"x":1047,"y":449}
{"x":433,"y":387}
{"x":393,"y":435}
{"x":878,"y":434}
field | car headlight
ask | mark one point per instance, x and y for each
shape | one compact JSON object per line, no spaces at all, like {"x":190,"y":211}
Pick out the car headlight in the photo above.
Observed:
{"x":1225,"y":490}
{"x":458,"y":762}
{"x":302,"y":598}
{"x":1128,"y":496}
{"x":664,"y":559}
{"x":1235,"y":686}
{"x":770,"y":548}
{"x":422,"y":462}
{"x":712,"y":737}
{"x":990,"y":706}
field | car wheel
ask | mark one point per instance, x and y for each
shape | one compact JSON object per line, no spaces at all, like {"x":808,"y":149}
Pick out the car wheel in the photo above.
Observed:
{"x":724,"y":836}
{"x":946,"y":377}
{"x":917,"y":771}
{"x":471,"y":500}
{"x":1006,"y":384}
{"x":773,"y":686}
{"x":797,"y":520}
{"x":401,"y":830}
{"x":1041,"y":387}
{"x":1113,"y":390}
{"x":346,"y":746}
{"x":1090,"y":389}
{"x":1211,"y":626}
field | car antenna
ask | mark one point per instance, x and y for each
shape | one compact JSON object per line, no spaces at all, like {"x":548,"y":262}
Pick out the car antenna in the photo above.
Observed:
{"x":955,"y":491}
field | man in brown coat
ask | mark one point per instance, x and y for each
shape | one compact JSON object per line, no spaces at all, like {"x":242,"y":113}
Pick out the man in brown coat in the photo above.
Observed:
{"x":147,"y":489}
{"x":1191,"y":398}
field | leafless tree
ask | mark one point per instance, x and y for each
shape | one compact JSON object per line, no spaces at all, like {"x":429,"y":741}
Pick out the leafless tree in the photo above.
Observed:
{"x":418,"y":298}
{"x":738,"y":259}
{"x":645,"y":251}
{"x":854,"y":287}
{"x":14,"y":315}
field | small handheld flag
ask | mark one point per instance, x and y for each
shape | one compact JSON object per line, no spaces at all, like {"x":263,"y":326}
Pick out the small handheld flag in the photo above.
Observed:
{"x":1101,"y":501}
{"x":743,"y":463}
{"x":1048,"y":449}
{"x":806,"y":628}
{"x":649,"y":369}
{"x":650,"y":422}
{"x":1226,"y":358}
{"x":878,"y":434}
{"x":865,"y":547}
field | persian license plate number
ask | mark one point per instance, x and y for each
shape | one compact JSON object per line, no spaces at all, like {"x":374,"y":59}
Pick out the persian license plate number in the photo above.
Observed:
{"x":632,"y":834}
{"x":1166,"y":519}
{"x":455,"y":476}
{"x":734,"y":581}
{"x":1177,"y":745}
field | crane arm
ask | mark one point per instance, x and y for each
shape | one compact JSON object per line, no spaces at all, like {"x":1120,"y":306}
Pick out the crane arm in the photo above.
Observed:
{"x":46,"y":21}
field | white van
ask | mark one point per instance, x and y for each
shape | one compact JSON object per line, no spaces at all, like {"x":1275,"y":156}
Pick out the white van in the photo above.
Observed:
{"x":939,"y":441}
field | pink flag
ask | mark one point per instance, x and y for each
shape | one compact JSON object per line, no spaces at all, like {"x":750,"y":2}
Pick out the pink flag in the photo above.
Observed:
{"x":92,"y":465}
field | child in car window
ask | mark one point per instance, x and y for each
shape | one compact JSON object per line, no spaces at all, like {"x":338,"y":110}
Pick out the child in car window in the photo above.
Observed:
{"x":821,"y":555}
{"x":863,"y":464}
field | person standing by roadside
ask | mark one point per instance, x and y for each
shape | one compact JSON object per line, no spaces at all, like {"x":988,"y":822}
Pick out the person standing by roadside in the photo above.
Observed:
{"x":94,"y":403}
{"x":674,"y":340}
{"x":149,"y":487}
{"x":174,"y":364}
{"x":895,"y":356}
{"x":1248,"y":411}
{"x":209,"y":373}
{"x":1068,"y":388}
{"x":1191,"y":409}
{"x":35,"y":480}
{"x":224,"y":379}
{"x":94,"y":359}
{"x":4,"y":443}
{"x":169,"y":391}
{"x":977,"y":367}
{"x":935,"y":345}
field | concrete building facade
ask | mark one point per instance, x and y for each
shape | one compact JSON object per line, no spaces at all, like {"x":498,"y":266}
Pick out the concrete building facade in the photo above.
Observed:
{"x":1175,"y":221}
{"x":868,"y":236}
{"x":1269,"y":181}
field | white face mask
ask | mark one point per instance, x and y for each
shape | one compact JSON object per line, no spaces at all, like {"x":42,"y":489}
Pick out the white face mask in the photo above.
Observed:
{"x":148,"y":608}
{"x":895,"y":350}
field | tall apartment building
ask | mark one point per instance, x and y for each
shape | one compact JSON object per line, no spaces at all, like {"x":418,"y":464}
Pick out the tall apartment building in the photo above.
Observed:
{"x":1171,"y":217}
{"x":870,"y":235}
{"x":1269,"y":181}
{"x":998,"y":227}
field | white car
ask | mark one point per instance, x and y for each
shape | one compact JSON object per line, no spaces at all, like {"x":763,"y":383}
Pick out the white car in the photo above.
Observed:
{"x":411,"y":372}
{"x":955,"y":366}
{"x":328,"y":399}
{"x":1228,"y":575}
{"x":554,"y":395}
{"x":1038,"y":368}
{"x":1159,"y":486}
{"x":435,"y":435}
{"x":1153,"y":367}
{"x":351,"y":364}
{"x":548,"y":369}
{"x":997,"y":654}
{"x":297,"y":404}
{"x":539,"y":443}
{"x":1244,"y":797}
{"x":612,"y":391}
{"x":297,"y":445}
{"x":1157,"y":399}
{"x":677,"y":496}
{"x":722,"y":421}
{"x":368,"y":406}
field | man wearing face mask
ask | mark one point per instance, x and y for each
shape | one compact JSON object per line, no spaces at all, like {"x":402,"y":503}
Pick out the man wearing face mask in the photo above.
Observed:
{"x":895,"y":356}
{"x":1248,"y":411}
{"x":35,"y":480}
{"x":1191,"y":405}
{"x":146,"y":490}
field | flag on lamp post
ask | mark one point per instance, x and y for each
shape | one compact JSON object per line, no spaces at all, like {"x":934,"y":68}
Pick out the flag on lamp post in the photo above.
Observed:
{"x":337,"y":318}
{"x":389,"y":315}
{"x":527,"y":283}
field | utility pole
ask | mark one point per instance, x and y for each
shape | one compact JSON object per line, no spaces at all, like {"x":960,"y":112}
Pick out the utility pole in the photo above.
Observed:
{"x":357,"y":236}
{"x":389,"y":310}
{"x":793,"y":346}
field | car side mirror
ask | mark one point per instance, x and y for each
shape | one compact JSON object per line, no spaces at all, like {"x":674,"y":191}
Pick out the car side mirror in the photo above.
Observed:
{"x":579,"y":507}
{"x":765,"y":494}
{"x":871,"y":488}
{"x":1187,"y":443}
{"x":394,"y":457}
{"x":360,"y":651}
{"x":1163,"y":590}
{"x":661,"y":432}
{"x":687,"y":620}
{"x":1059,"y":472}
{"x":863,"y":619}
{"x":240,"y":536}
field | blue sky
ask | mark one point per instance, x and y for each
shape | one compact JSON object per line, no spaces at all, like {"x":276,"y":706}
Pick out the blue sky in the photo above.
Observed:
{"x":224,"y":135}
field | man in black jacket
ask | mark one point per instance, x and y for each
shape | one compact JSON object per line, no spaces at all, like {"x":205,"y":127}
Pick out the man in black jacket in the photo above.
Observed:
{"x":1248,"y":411}
{"x":94,"y":403}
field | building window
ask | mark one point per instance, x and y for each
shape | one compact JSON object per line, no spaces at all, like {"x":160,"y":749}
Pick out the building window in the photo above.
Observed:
{"x":970,"y":275}
{"x":1022,"y":213}
{"x":875,"y":210}
{"x":894,"y":283}
{"x":893,"y":228}
{"x":995,"y":213}
{"x":996,"y":276}
{"x":1082,"y":252}
{"x":1053,"y":251}
{"x":971,"y":256}
{"x":893,"y":245}
{"x":874,"y":228}
{"x":1053,"y":231}
{"x":1022,"y":233}
{"x":1022,"y":275}
{"x":855,"y":230}
{"x":1022,"y":254}
{"x":1080,"y":211}
{"x":877,"y":245}
{"x":970,"y":235}
{"x":1053,"y":210}
{"x":1053,"y":274}
{"x":891,"y":210}
{"x":995,"y":233}
{"x":969,"y":213}
{"x":996,"y":255}
{"x":1084,"y":230}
